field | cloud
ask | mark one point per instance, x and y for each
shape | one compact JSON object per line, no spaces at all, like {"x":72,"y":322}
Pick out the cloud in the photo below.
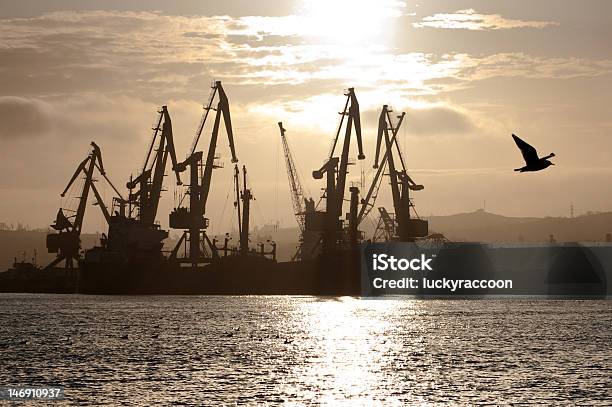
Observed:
{"x":23,"y":118}
{"x":528,"y":66}
{"x":471,"y":20}
{"x":428,"y":120}
{"x":438,"y":120}
{"x":120,"y":53}
{"x":55,"y":134}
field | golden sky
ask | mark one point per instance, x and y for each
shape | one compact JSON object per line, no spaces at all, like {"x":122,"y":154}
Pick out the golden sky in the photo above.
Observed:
{"x":467,"y":74}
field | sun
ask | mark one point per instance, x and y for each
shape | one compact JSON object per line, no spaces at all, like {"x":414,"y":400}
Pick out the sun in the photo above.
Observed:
{"x":349,"y":21}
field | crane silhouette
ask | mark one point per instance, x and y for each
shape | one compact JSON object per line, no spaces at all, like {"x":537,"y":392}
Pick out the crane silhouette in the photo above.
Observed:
{"x":530,"y":155}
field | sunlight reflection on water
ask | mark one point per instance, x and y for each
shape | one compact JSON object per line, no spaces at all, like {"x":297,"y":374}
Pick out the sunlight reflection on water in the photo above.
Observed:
{"x":348,"y":345}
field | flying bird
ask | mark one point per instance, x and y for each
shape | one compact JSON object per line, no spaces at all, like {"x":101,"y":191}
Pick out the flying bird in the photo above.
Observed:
{"x":532,"y":161}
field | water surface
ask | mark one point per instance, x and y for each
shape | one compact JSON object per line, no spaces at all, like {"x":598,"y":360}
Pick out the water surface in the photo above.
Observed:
{"x":308,"y":350}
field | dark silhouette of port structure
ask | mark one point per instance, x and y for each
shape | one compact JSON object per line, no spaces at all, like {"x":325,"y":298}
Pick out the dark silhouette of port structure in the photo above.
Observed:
{"x":133,"y":263}
{"x":576,"y":271}
{"x":530,"y":155}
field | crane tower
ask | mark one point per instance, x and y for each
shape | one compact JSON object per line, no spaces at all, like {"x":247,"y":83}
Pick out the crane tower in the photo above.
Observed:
{"x":297,"y":192}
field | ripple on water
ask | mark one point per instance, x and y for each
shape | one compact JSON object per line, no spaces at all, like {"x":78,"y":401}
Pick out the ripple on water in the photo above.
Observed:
{"x":212,"y":350}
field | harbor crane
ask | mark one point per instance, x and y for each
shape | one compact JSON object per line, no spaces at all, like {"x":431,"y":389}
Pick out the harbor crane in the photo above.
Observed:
{"x":192,"y":219}
{"x":368,"y":202}
{"x":295,"y":185}
{"x":336,"y":169}
{"x":150,"y":180}
{"x":407,"y":228}
{"x":135,"y":236}
{"x":67,"y":242}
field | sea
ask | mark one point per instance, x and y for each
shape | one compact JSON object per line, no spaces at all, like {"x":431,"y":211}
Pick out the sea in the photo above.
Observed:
{"x":258,"y":350}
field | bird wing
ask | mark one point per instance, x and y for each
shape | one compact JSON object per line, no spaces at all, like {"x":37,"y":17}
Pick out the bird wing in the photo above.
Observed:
{"x":530,"y":154}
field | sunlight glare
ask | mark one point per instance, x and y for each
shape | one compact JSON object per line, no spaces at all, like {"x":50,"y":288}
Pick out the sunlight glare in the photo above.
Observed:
{"x":345,"y":340}
{"x":349,"y":21}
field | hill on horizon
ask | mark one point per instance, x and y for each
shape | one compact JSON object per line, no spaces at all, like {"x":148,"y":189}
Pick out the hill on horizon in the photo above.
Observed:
{"x":489,"y":227}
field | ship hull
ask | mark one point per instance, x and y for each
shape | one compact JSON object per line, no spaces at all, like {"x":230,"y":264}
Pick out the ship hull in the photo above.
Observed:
{"x":52,"y":281}
{"x":251,"y":275}
{"x":545,"y":270}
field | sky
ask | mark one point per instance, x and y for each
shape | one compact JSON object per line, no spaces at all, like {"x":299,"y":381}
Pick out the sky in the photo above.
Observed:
{"x":467,"y":74}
